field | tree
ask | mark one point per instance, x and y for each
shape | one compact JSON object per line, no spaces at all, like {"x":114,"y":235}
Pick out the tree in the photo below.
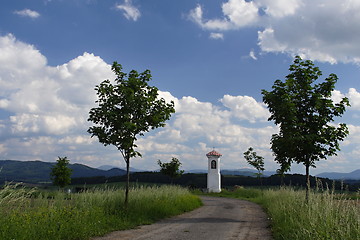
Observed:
{"x":61,"y":174}
{"x":281,"y":172}
{"x":127,"y":109}
{"x":304,"y":112}
{"x":171,"y":169}
{"x":256,"y":161}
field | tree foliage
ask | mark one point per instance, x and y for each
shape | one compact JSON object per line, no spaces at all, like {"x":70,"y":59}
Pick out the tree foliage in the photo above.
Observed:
{"x":61,"y":174}
{"x":127,"y":108}
{"x":304,"y":111}
{"x":254,"y":160}
{"x":171,"y":169}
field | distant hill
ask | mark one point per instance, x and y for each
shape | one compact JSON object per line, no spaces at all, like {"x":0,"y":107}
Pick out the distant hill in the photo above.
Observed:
{"x":108,"y":167}
{"x":236,"y":172}
{"x":246,"y":172}
{"x":196,"y":171}
{"x":38,"y":171}
{"x":354,"y":175}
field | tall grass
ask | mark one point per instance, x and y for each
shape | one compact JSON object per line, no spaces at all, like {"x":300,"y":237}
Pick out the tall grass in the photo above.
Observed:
{"x":31,"y":215}
{"x":326,"y":216}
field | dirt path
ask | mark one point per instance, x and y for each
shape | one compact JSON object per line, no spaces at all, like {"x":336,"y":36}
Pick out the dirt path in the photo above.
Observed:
{"x":219,"y":218}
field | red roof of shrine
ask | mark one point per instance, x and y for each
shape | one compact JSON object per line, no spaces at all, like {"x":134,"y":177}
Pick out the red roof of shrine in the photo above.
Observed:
{"x":213,"y":153}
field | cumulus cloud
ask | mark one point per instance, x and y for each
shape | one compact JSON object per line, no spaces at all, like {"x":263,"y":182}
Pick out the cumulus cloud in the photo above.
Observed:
{"x":354,"y":98}
{"x":129,"y":10}
{"x":353,"y":95}
{"x":326,"y":31}
{"x":45,"y":101}
{"x":198,"y":126}
{"x":246,"y":108}
{"x":237,"y":14}
{"x":27,"y":13}
{"x":279,"y":8}
{"x":48,"y":110}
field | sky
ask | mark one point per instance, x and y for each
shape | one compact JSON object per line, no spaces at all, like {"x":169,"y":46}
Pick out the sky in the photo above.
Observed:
{"x":212,"y":58}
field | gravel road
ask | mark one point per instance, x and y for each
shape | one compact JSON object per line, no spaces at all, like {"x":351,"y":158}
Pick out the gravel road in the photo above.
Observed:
{"x":219,"y":218}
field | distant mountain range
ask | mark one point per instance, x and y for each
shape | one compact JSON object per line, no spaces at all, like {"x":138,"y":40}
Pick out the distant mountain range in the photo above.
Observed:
{"x":108,"y":167}
{"x":246,"y":172}
{"x":354,"y":175}
{"x":38,"y":171}
{"x":236,"y":172}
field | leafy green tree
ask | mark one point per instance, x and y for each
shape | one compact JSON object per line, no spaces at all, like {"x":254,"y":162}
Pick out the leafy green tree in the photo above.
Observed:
{"x":304,"y":111}
{"x":171,"y":169}
{"x":127,"y":109}
{"x":256,"y":161}
{"x":61,"y":173}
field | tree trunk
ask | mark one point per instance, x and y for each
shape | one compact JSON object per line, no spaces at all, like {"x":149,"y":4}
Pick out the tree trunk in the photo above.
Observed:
{"x":307,"y":182}
{"x":127,"y":181}
{"x":260,"y":178}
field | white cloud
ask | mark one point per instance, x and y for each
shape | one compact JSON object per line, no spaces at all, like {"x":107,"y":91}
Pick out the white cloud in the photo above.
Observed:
{"x":196,"y":15}
{"x":246,"y":108}
{"x":353,"y":95}
{"x":77,"y":140}
{"x":216,"y":36}
{"x":15,"y":53}
{"x":49,"y":107}
{"x":337,"y":96}
{"x":237,"y":14}
{"x":252,"y":55}
{"x":279,"y":8}
{"x":354,"y":98}
{"x":27,"y":13}
{"x":46,"y":99}
{"x":240,"y":13}
{"x":268,"y":42}
{"x":198,"y":126}
{"x":327,"y":31}
{"x":129,"y":10}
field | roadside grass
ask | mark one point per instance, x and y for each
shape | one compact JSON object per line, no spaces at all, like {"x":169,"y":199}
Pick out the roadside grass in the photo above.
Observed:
{"x":28,"y":214}
{"x":327,"y":215}
{"x":114,"y":185}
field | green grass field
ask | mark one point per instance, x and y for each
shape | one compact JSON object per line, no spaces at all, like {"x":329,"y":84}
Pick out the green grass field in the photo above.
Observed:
{"x":31,"y":214}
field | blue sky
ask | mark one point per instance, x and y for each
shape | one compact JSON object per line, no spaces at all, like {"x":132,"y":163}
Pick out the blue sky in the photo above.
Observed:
{"x":211,"y":57}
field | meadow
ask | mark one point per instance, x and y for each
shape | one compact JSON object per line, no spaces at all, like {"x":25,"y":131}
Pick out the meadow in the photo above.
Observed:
{"x":28,"y":213}
{"x":32,"y":214}
{"x":327,"y":216}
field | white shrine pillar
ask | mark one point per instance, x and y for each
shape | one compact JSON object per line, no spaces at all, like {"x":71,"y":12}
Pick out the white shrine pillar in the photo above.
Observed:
{"x":213,"y":176}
